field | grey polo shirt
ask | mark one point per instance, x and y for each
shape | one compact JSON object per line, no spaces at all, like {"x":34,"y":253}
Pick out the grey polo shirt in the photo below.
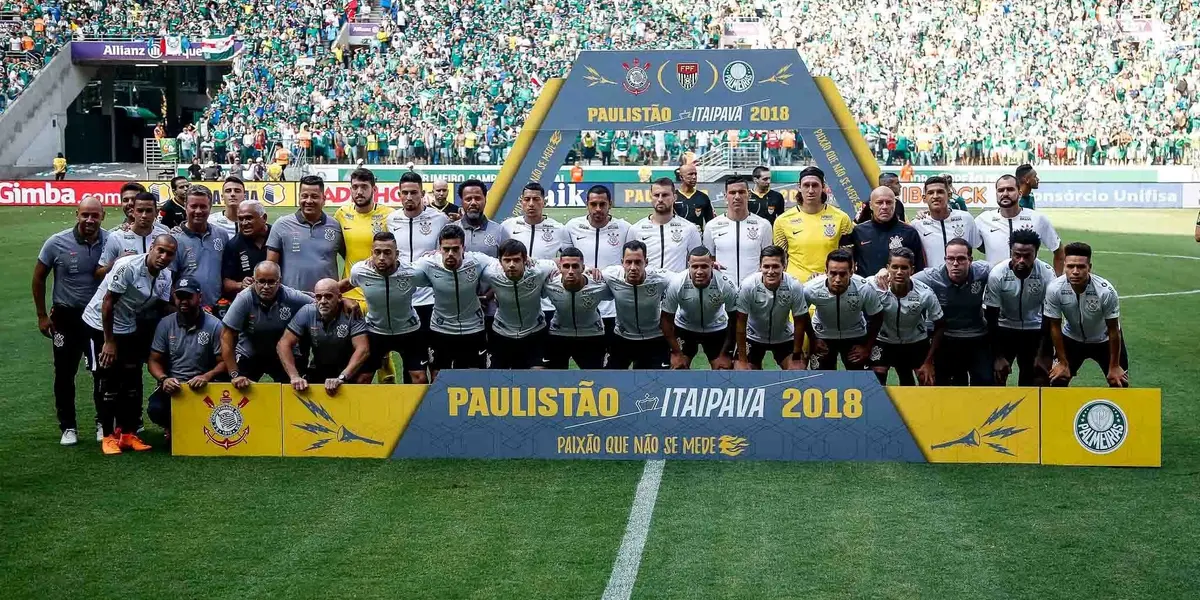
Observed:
{"x":309,"y":252}
{"x":485,"y":239}
{"x":139,"y":292}
{"x":961,"y":304}
{"x":122,"y":243}
{"x":199,"y":257}
{"x":190,"y":351}
{"x":260,"y":325}
{"x":73,"y":262}
{"x":331,"y":344}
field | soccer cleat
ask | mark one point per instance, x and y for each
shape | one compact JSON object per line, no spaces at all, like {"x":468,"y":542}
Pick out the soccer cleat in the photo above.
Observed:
{"x":69,"y":438}
{"x":110,"y":445}
{"x":99,"y":432}
{"x":130,"y":441}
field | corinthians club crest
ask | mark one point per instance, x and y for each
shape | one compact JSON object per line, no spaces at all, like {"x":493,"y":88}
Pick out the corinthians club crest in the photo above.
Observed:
{"x":226,"y":426}
{"x":637,"y":77}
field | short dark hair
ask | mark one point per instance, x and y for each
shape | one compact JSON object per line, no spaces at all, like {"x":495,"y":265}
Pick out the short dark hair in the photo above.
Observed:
{"x":773,"y":251}
{"x":1023,"y":171}
{"x":534,"y":186}
{"x":841,"y":255}
{"x":313,"y":180}
{"x":471,"y":183}
{"x":886,"y":175}
{"x":384,"y":236}
{"x":599,"y":189}
{"x":1079,"y":249}
{"x":176,"y":179}
{"x":635,"y":246}
{"x":512,"y":247}
{"x":407,"y":177}
{"x":571,"y":252}
{"x":367,"y":175}
{"x":133,"y":186}
{"x":1027,"y":237}
{"x":959,"y":242}
{"x":736,"y":179}
{"x":452,"y":232}
{"x":699,"y":252}
{"x":902,"y":252}
{"x":145,"y":196}
{"x":236,"y":179}
{"x":759,"y":170}
{"x":935,"y":180}
{"x":663,"y":181}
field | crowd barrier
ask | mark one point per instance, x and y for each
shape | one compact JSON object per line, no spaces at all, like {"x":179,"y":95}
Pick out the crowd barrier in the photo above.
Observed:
{"x":716,"y":415}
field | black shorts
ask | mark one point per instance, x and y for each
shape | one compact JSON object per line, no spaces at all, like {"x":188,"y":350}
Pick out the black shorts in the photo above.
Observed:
{"x":517,"y":353}
{"x":425,"y":313}
{"x":836,"y":348}
{"x":691,"y":342}
{"x":641,"y":354}
{"x":412,"y":348}
{"x":458,"y":351}
{"x":132,"y":350}
{"x":757,"y":351}
{"x":1021,"y":344}
{"x":902,"y":357}
{"x":1077,"y":352}
{"x":587,"y":352}
{"x":255,"y":367}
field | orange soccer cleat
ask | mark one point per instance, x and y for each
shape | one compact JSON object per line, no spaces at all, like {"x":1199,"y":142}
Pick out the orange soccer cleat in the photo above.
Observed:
{"x":110,"y":445}
{"x":130,"y":441}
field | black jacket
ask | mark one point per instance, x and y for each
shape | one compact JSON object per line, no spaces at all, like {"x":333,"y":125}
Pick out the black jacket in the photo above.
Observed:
{"x":873,"y":241}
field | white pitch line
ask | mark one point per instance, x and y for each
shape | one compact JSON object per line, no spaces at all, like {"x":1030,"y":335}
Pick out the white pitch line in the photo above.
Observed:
{"x":1150,"y":254}
{"x":1161,"y":294}
{"x":629,"y":556}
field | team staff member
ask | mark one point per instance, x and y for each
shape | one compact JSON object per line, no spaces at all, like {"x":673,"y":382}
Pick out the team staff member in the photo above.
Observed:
{"x":171,"y":213}
{"x":1084,"y":313}
{"x":246,"y":249}
{"x":129,"y":192}
{"x":1013,"y":298}
{"x":306,"y":244}
{"x":416,"y":228}
{"x":997,"y":226}
{"x":942,"y":224}
{"x":873,"y":240}
{"x":965,"y":356}
{"x":540,"y":234}
{"x":186,"y":350}
{"x":72,"y":255}
{"x":637,"y":294}
{"x":517,"y":339}
{"x":233,"y":191}
{"x":764,"y":201}
{"x":667,"y":236}
{"x":599,"y":236}
{"x":691,"y":203}
{"x":441,"y":200}
{"x":813,"y":229}
{"x":769,"y":305}
{"x":576,"y":328}
{"x":1027,"y":181}
{"x":336,"y":340}
{"x":120,"y":316}
{"x":890,"y":181}
{"x":134,"y":238}
{"x":737,"y":237}
{"x":457,"y":339}
{"x":200,"y":246}
{"x":392,"y":321}
{"x":847,"y":317}
{"x":696,"y":313}
{"x":904,"y":340}
{"x":483,"y":235}
{"x":254,"y":324}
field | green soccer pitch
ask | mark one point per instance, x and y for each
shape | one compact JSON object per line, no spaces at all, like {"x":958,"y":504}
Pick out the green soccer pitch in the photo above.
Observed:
{"x":77,"y":524}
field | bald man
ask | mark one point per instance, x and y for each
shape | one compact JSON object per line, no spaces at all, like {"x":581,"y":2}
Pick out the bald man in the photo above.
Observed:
{"x":871,"y":241}
{"x":72,"y":255}
{"x":691,"y":203}
{"x":255,"y":322}
{"x":441,"y":199}
{"x":336,"y":341}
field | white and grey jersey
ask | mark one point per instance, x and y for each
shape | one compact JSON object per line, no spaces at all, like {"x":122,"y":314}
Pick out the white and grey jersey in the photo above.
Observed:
{"x":936,"y":234}
{"x":842,"y":316}
{"x":1083,"y":315}
{"x":389,"y":297}
{"x":1019,"y":300}
{"x":518,"y":303}
{"x":576,"y":314}
{"x":601,"y":247}
{"x":737,"y":245}
{"x":667,"y":245}
{"x":542,"y":241}
{"x":995,"y":230}
{"x":456,"y":308}
{"x":139,"y":292}
{"x":962,"y":304}
{"x":638,"y":306}
{"x":906,"y":318}
{"x":220,"y":221}
{"x":769,"y":313}
{"x":122,"y":243}
{"x":415,"y":237}
{"x":700,"y":310}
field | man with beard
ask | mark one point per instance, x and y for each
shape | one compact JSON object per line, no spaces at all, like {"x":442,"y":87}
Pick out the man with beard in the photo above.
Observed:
{"x":200,"y":246}
{"x":540,"y":234}
{"x":1084,"y":312}
{"x":942,"y":224}
{"x":133,"y":238}
{"x":872,"y":241}
{"x":72,"y":255}
{"x":576,"y":328}
{"x":186,"y":350}
{"x":517,"y":339}
{"x":667,"y":236}
{"x":770,"y":305}
{"x":393,"y":324}
{"x":457,"y":339}
{"x":847,"y":316}
{"x":171,"y":212}
{"x":1013,"y":298}
{"x":306,"y":244}
{"x":813,"y":229}
{"x":905,"y":343}
{"x":637,"y":295}
{"x":441,"y":200}
{"x":483,"y":235}
{"x":1027,"y":181}
{"x":416,"y":228}
{"x":254,"y":323}
{"x":336,"y":340}
{"x":129,"y":191}
{"x":360,"y":221}
{"x":696,"y":311}
{"x":997,"y":226}
{"x":764,"y":201}
{"x":246,"y":249}
{"x":689,"y":202}
{"x":233,"y":191}
{"x":738,"y":237}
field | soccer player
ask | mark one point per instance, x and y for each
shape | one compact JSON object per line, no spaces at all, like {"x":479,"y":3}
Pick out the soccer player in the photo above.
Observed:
{"x":996,"y":226}
{"x":696,"y":312}
{"x":129,"y":192}
{"x":336,"y":340}
{"x":441,"y":200}
{"x":186,"y":350}
{"x":122,"y":318}
{"x":873,"y":240}
{"x":1084,"y":313}
{"x":667,"y":236}
{"x":1027,"y":181}
{"x":483,"y":235}
{"x":768,"y":303}
{"x":134,"y":238}
{"x":246,"y":249}
{"x":254,"y":324}
{"x":813,"y":229}
{"x":956,"y":202}
{"x":171,"y":212}
{"x":905,"y":343}
{"x":942,"y":223}
{"x":576,"y":329}
{"x":764,"y":201}
{"x":965,"y":355}
{"x":599,"y":236}
{"x":360,"y":221}
{"x":393,"y":324}
{"x":517,"y":340}
{"x":306,"y":244}
{"x":200,"y":246}
{"x":637,"y":295}
{"x":1012,"y":302}
{"x":416,"y":228}
{"x":737,"y":237}
{"x":847,"y":318}
{"x":540,"y":234}
{"x":233,"y":191}
{"x":72,"y":255}
{"x":457,"y":338}
{"x":689,"y":202}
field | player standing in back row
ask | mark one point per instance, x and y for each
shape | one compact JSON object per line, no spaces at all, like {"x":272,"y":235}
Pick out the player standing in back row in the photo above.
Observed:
{"x":809,"y":232}
{"x":738,"y":237}
{"x":942,"y":223}
{"x":689,"y":202}
{"x":764,"y":201}
{"x":541,"y":235}
{"x":667,"y":236}
{"x":997,"y":226}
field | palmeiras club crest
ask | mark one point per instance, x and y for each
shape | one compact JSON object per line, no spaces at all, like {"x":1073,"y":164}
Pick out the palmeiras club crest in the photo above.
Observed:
{"x":688,"y":74}
{"x":637,"y":77}
{"x":226,"y":426}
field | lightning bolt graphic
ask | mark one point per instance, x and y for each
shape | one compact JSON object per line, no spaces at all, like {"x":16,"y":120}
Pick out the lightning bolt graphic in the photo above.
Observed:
{"x":1000,"y":449}
{"x":1000,"y":413}
{"x":318,"y":444}
{"x":1004,"y":432}
{"x":781,"y":76}
{"x":316,"y":428}
{"x":316,"y":409}
{"x":596,"y":78}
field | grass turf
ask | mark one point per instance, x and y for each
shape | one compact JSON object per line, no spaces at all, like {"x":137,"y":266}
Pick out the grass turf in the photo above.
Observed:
{"x":78,"y":524}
